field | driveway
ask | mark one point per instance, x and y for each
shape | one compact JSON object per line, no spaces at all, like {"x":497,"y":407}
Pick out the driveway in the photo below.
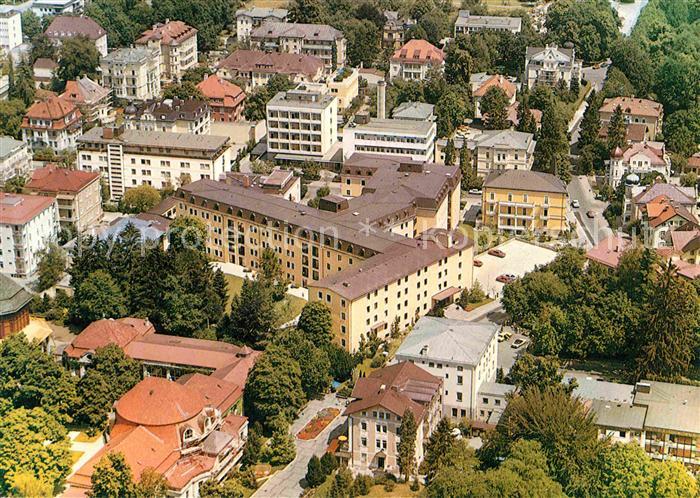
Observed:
{"x":288,"y":482}
{"x":506,"y":354}
{"x":596,"y":228}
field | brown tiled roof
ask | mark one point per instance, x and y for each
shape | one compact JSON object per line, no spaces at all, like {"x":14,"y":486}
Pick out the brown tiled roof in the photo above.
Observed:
{"x":499,"y":81}
{"x":419,"y":51}
{"x":681,"y":195}
{"x":309,"y":32}
{"x":157,"y":401}
{"x":169,"y":109}
{"x":84,"y":91}
{"x":609,"y":251}
{"x":108,"y":331}
{"x":53,"y":179}
{"x":71,"y":26}
{"x":170,"y":33}
{"x":219,"y":393}
{"x":44,"y":63}
{"x":397,"y":388}
{"x":694,"y":160}
{"x":685,"y":240}
{"x":18,"y":209}
{"x":245,"y":61}
{"x":633,"y":105}
{"x":54,"y":109}
{"x":534,"y":181}
{"x":513,"y":114}
{"x":635,"y":132}
{"x":220,"y":90}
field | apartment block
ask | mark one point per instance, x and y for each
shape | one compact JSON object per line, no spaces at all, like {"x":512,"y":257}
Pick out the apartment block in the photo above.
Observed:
{"x":176,"y":44}
{"x":28,"y":224}
{"x":10,"y":29}
{"x":132,"y":73}
{"x":52,"y":122}
{"x":249,"y":19}
{"x":524,"y":201}
{"x":550,"y":64}
{"x":414,"y":140}
{"x":169,"y":115}
{"x":14,"y":159}
{"x":78,"y":195}
{"x":497,"y":150}
{"x":65,"y":27}
{"x":57,"y":7}
{"x":302,"y":121}
{"x":467,"y":23}
{"x":129,"y":158}
{"x":319,"y":40}
{"x":374,"y":416}
{"x":639,"y":112}
{"x":414,"y":60}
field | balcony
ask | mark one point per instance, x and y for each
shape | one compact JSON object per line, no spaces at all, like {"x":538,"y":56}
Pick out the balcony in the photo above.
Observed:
{"x":525,"y":205}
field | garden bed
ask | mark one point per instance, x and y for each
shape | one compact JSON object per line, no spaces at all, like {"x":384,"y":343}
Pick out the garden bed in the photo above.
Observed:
{"x":473,"y":306}
{"x":318,"y":423}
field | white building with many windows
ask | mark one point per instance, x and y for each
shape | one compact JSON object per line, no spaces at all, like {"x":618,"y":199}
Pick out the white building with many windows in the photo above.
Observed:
{"x":504,"y":149}
{"x":392,"y":137}
{"x":129,"y":158}
{"x":28,"y":223}
{"x":132,"y":73}
{"x":249,"y":19}
{"x":14,"y":159}
{"x":10,"y":29}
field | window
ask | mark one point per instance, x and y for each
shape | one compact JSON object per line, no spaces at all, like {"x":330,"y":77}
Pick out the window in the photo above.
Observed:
{"x":485,"y":401}
{"x":460,"y":380}
{"x":364,"y":441}
{"x":459,"y":396}
{"x":363,"y":426}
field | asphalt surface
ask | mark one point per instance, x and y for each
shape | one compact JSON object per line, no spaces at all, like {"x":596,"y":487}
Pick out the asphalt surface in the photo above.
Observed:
{"x":596,"y":228}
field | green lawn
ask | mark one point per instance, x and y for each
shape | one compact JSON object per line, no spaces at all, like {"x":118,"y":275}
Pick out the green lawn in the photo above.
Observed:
{"x":287,"y":309}
{"x":473,"y":306}
{"x":84,"y":438}
{"x":401,"y":490}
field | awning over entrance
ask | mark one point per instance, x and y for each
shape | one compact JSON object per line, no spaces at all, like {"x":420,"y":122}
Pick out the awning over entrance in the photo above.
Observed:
{"x":445,"y":294}
{"x":378,"y":327}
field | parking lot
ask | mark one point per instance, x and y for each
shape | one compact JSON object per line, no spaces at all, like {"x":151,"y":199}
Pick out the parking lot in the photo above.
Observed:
{"x":508,"y":354}
{"x":520,"y":258}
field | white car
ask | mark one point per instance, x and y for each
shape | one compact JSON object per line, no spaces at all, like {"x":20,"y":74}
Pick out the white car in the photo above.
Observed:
{"x":575,"y":204}
{"x":475,"y":191}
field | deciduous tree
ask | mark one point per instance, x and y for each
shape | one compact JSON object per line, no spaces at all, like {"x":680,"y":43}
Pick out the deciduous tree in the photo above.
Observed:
{"x":494,"y":109}
{"x":52,"y":264}
{"x":112,"y":478}
{"x":98,"y":296}
{"x":139,"y":199}
{"x":316,"y":323}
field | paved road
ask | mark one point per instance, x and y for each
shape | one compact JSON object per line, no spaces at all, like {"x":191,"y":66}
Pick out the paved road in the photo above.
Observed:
{"x":595,"y":228}
{"x":596,"y":77}
{"x":288,"y":482}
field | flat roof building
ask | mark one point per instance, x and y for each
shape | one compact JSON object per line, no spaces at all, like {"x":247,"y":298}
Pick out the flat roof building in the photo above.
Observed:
{"x":467,"y":23}
{"x":412,"y":139}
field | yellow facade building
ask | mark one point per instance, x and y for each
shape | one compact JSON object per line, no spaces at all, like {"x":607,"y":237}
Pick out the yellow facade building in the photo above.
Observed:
{"x":524,"y":201}
{"x":385,"y":256}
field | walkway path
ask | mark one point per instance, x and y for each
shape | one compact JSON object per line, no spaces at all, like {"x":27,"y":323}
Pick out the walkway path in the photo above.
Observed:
{"x":88,"y":449}
{"x":288,"y":482}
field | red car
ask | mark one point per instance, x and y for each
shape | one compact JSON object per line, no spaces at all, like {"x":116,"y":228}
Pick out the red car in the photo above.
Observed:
{"x":478,"y":263}
{"x":506,"y":278}
{"x":498,"y":253}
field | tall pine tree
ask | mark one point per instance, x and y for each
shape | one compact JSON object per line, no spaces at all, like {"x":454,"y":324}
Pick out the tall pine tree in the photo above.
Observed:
{"x":407,"y":445}
{"x":552,"y":149}
{"x":450,"y":152}
{"x":617,"y":130}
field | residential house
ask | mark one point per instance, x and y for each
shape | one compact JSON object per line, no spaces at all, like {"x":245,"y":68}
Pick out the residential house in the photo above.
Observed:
{"x":634,"y":133}
{"x":414,"y":140}
{"x":635,"y":111}
{"x":693,"y":164}
{"x":132,"y":73}
{"x":64,"y":27}
{"x":176,"y":44}
{"x":660,"y":216}
{"x":481,"y":83}
{"x":77,"y":193}
{"x":14,"y":159}
{"x":497,"y":150}
{"x":380,"y":401}
{"x":225,"y":99}
{"x":28,"y":224}
{"x":43,"y":70}
{"x":395,"y":29}
{"x":249,"y":19}
{"x":52,"y":122}
{"x":686,"y":243}
{"x":682,"y":196}
{"x":463,"y":354}
{"x":174,"y":115}
{"x":14,"y":315}
{"x":639,"y":159}
{"x":44,"y":8}
{"x":516,"y":201}
{"x":414,"y":60}
{"x":93,"y":101}
{"x":256,"y":67}
{"x":129,"y":158}
{"x":550,"y":64}
{"x":10,"y":29}
{"x":318,"y":40}
{"x":467,"y":23}
{"x":414,"y":111}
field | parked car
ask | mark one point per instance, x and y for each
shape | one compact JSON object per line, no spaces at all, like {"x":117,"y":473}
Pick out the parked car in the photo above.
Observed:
{"x":575,"y":204}
{"x":475,"y":191}
{"x":518,"y":343}
{"x":504,"y":335}
{"x":506,"y":278}
{"x":478,"y":263}
{"x":497,"y":252}
{"x":590,"y":213}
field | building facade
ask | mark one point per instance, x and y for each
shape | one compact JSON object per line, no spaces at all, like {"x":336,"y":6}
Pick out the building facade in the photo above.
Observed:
{"x":28,"y":224}
{"x":176,"y":44}
{"x":467,"y":23}
{"x":639,"y":159}
{"x":65,"y":27}
{"x":414,"y":140}
{"x":132,"y":73}
{"x":93,"y":101}
{"x":14,"y":159}
{"x":54,"y":123}
{"x":639,"y":112}
{"x":10,"y":29}
{"x":497,"y":150}
{"x":129,"y":158}
{"x":414,"y":60}
{"x":57,"y":7}
{"x":524,"y":201}
{"x":249,"y":19}
{"x":174,"y":115}
{"x":550,"y":64}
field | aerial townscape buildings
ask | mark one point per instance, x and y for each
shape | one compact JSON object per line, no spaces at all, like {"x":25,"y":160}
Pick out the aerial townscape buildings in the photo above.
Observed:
{"x":306,"y":248}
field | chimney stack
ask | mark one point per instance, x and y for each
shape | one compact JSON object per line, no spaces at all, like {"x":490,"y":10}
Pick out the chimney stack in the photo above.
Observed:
{"x":381,"y":99}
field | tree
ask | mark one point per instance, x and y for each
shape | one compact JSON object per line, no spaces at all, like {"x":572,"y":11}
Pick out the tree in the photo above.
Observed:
{"x":451,"y":110}
{"x":407,"y":445}
{"x":312,"y":360}
{"x":363,"y":40}
{"x":27,"y":485}
{"x":152,"y":484}
{"x":184,"y":91}
{"x":270,"y":273}
{"x":52,"y":264}
{"x":616,"y":84}
{"x":32,"y":442}
{"x":677,"y":82}
{"x":306,"y":11}
{"x":11,"y":113}
{"x":22,"y":85}
{"x":31,"y":25}
{"x":590,"y":123}
{"x":449,"y":152}
{"x":98,"y":297}
{"x":280,"y":449}
{"x":494,"y":108}
{"x":342,"y":363}
{"x":526,"y":120}
{"x":42,"y":48}
{"x":458,"y":65}
{"x":195,"y":74}
{"x":617,"y":130}
{"x":314,"y":472}
{"x":188,"y":232}
{"x":437,"y":449}
{"x":535,"y":371}
{"x":273,"y":387}
{"x":252,"y":317}
{"x":253,"y":447}
{"x":229,"y":488}
{"x":329,"y":463}
{"x":552,"y":149}
{"x":342,"y":484}
{"x":316,"y":322}
{"x":668,"y":326}
{"x":112,"y":478}
{"x":629,"y":56}
{"x":682,"y":131}
{"x":139,"y":199}
{"x":77,"y":57}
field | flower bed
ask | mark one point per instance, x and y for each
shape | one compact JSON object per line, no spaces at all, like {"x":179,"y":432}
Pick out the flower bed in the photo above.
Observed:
{"x":312,"y":429}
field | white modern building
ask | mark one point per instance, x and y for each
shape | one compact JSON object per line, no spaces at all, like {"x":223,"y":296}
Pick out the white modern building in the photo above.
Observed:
{"x":10,"y":29}
{"x":57,"y":7}
{"x":549,"y":64}
{"x":129,"y":158}
{"x":464,"y":355}
{"x":14,"y":159}
{"x":302,"y":122}
{"x":467,"y":23}
{"x":391,"y":137}
{"x":249,"y":19}
{"x":28,"y":223}
{"x":132,"y":73}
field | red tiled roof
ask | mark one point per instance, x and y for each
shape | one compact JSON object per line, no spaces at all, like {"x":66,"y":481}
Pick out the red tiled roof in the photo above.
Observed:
{"x":220,"y":90}
{"x":608,"y":251}
{"x":633,"y":105}
{"x":654,"y":154}
{"x":188,"y":468}
{"x":170,"y":33}
{"x":513,"y":114}
{"x":53,"y":179}
{"x":71,"y":26}
{"x":272,"y":62}
{"x":54,"y":109}
{"x":219,"y":393}
{"x":108,"y":331}
{"x":18,"y":209}
{"x":687,"y":270}
{"x":419,"y":51}
{"x":156,"y":401}
{"x":499,"y":81}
